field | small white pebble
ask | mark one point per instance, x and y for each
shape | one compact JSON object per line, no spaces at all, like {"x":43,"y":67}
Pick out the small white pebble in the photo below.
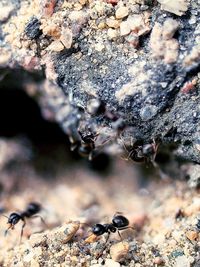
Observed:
{"x":122,"y":12}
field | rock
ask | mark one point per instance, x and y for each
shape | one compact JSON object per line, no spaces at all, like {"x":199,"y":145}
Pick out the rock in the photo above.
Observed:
{"x":194,"y":176}
{"x":112,"y":34}
{"x":159,"y":261}
{"x":119,"y":251}
{"x":61,"y":235}
{"x":178,"y":7}
{"x":169,"y":28}
{"x":65,"y":233}
{"x":191,"y":235}
{"x":32,"y":28}
{"x":182,"y":261}
{"x":108,"y":49}
{"x":162,"y":43}
{"x":124,"y":28}
{"x":48,"y":7}
{"x":111,"y":263}
{"x":112,"y":23}
{"x":91,"y":238}
{"x":139,"y":24}
{"x":66,"y":37}
{"x":122,"y":12}
{"x":56,"y":46}
{"x":5,"y":12}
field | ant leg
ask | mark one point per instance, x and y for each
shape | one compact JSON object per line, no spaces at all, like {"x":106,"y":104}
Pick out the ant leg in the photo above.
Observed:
{"x":6,"y":232}
{"x":101,"y":253}
{"x":127,"y":227}
{"x":73,"y":147}
{"x":91,"y":156}
{"x":107,"y":238}
{"x":126,"y":151}
{"x":42,"y":220}
{"x":22,"y":230}
{"x":119,"y":235}
{"x":123,"y":229}
{"x":130,"y":155}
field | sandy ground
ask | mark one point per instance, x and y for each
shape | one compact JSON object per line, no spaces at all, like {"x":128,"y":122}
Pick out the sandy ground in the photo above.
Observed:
{"x":163,"y":214}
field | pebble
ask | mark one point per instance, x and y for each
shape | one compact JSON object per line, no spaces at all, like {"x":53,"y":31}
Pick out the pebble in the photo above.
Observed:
{"x":159,"y":261}
{"x":32,"y":28}
{"x":122,"y":12}
{"x":66,"y":37}
{"x":65,"y":232}
{"x":124,"y":28}
{"x":61,"y":234}
{"x":192,"y":235}
{"x":112,"y":23}
{"x":119,"y":251}
{"x":169,"y":28}
{"x":148,"y":111}
{"x":5,"y":12}
{"x":178,"y":7}
{"x":112,"y":34}
{"x":91,"y":238}
{"x":48,"y":7}
{"x":133,"y":39}
{"x":182,"y":261}
{"x":111,"y":263}
{"x":99,"y":47}
{"x":193,"y":172}
{"x":138,"y":24}
{"x":113,"y":2}
{"x":56,"y":46}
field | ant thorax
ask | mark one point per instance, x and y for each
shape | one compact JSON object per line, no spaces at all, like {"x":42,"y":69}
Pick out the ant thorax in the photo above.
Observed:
{"x":110,"y":228}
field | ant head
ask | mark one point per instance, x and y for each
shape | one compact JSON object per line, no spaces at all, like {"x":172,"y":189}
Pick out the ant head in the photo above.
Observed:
{"x":98,"y":229}
{"x":33,"y":207}
{"x":88,"y":138}
{"x":120,"y":221}
{"x":14,"y":218}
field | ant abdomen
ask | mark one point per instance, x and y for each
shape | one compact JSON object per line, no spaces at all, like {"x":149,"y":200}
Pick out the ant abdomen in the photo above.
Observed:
{"x":120,"y":221}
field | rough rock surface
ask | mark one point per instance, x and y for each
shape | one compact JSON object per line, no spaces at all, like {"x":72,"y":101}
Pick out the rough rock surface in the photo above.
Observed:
{"x":139,"y":59}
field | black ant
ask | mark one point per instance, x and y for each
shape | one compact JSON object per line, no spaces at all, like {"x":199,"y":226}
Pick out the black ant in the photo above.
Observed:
{"x":87,"y":145}
{"x":31,"y":210}
{"x":97,"y":107}
{"x":140,"y":152}
{"x":119,"y":222}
